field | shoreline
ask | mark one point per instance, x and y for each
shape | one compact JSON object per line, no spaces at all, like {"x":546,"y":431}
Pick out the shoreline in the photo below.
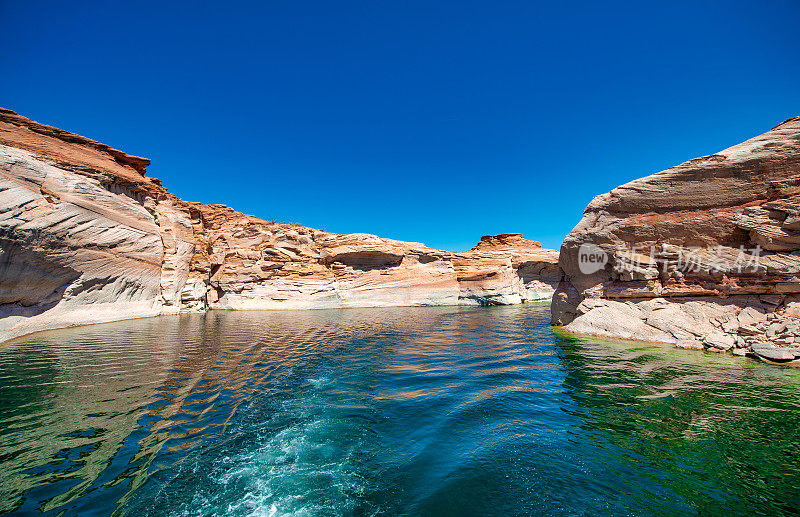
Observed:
{"x":13,"y":340}
{"x":562,"y":333}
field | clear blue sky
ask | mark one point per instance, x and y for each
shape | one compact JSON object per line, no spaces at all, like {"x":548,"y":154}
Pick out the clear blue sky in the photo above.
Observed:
{"x":432,"y":121}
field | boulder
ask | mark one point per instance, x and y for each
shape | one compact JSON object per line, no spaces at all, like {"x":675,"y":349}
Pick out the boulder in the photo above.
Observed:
{"x":719,"y":340}
{"x":730,"y":324}
{"x":750,"y":316}
{"x":689,"y":344}
{"x":615,"y":319}
{"x":776,"y":328}
{"x":792,"y":310}
{"x":774,"y":354}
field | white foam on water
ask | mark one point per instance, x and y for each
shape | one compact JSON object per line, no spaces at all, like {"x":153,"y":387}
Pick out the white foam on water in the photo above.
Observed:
{"x":321,"y":382}
{"x":302,"y":470}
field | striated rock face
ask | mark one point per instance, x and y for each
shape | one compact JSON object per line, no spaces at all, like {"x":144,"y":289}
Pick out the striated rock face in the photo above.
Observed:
{"x":254,"y":264}
{"x":87,"y":237}
{"x":81,"y":226}
{"x":685,"y":252}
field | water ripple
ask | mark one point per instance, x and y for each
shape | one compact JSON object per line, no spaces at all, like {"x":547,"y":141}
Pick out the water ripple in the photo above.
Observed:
{"x":403,"y":411}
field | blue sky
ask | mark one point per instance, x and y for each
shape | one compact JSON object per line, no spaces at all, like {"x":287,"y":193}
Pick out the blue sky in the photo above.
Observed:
{"x":417,"y":120}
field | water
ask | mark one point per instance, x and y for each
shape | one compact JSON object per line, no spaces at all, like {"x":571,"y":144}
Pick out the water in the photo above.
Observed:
{"x":411,"y":411}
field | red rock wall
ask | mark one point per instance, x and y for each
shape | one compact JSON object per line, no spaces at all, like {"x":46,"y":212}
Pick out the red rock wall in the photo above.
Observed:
{"x":87,"y":237}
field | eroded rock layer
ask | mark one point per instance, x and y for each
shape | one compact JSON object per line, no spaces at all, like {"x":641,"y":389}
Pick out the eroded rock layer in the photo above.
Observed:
{"x":87,"y":237}
{"x":705,"y":254}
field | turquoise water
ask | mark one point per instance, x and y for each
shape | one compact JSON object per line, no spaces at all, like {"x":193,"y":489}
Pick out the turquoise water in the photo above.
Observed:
{"x":409,"y":411}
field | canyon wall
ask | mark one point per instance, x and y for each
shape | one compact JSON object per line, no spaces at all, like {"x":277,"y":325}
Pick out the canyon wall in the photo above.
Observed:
{"x":705,"y":254}
{"x":87,"y":237}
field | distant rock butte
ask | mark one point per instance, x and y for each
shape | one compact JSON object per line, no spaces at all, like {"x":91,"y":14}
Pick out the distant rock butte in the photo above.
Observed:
{"x":681,"y":261}
{"x":87,"y":237}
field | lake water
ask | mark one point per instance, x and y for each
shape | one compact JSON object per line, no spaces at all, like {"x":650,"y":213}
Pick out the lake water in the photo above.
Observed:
{"x":402,"y":411}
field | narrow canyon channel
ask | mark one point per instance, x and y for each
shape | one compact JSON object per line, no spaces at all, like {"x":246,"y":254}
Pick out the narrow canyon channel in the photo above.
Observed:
{"x":401,"y":411}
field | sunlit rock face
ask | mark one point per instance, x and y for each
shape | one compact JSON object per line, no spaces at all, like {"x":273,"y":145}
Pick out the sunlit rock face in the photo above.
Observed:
{"x":79,"y":228}
{"x":87,"y":237}
{"x":689,"y":247}
{"x":255,"y":264}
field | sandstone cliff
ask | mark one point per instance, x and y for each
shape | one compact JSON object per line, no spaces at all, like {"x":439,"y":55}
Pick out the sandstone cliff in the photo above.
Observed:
{"x":87,"y":237}
{"x":705,"y":254}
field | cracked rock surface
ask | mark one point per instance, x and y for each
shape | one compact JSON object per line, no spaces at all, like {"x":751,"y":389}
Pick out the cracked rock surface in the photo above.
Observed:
{"x":87,"y":237}
{"x":705,"y":254}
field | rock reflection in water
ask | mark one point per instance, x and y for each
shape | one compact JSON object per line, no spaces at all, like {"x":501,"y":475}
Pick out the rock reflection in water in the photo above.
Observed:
{"x":409,"y":411}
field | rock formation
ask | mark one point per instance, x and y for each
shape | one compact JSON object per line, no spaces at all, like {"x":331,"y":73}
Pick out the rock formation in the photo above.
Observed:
{"x":87,"y":237}
{"x":705,"y":254}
